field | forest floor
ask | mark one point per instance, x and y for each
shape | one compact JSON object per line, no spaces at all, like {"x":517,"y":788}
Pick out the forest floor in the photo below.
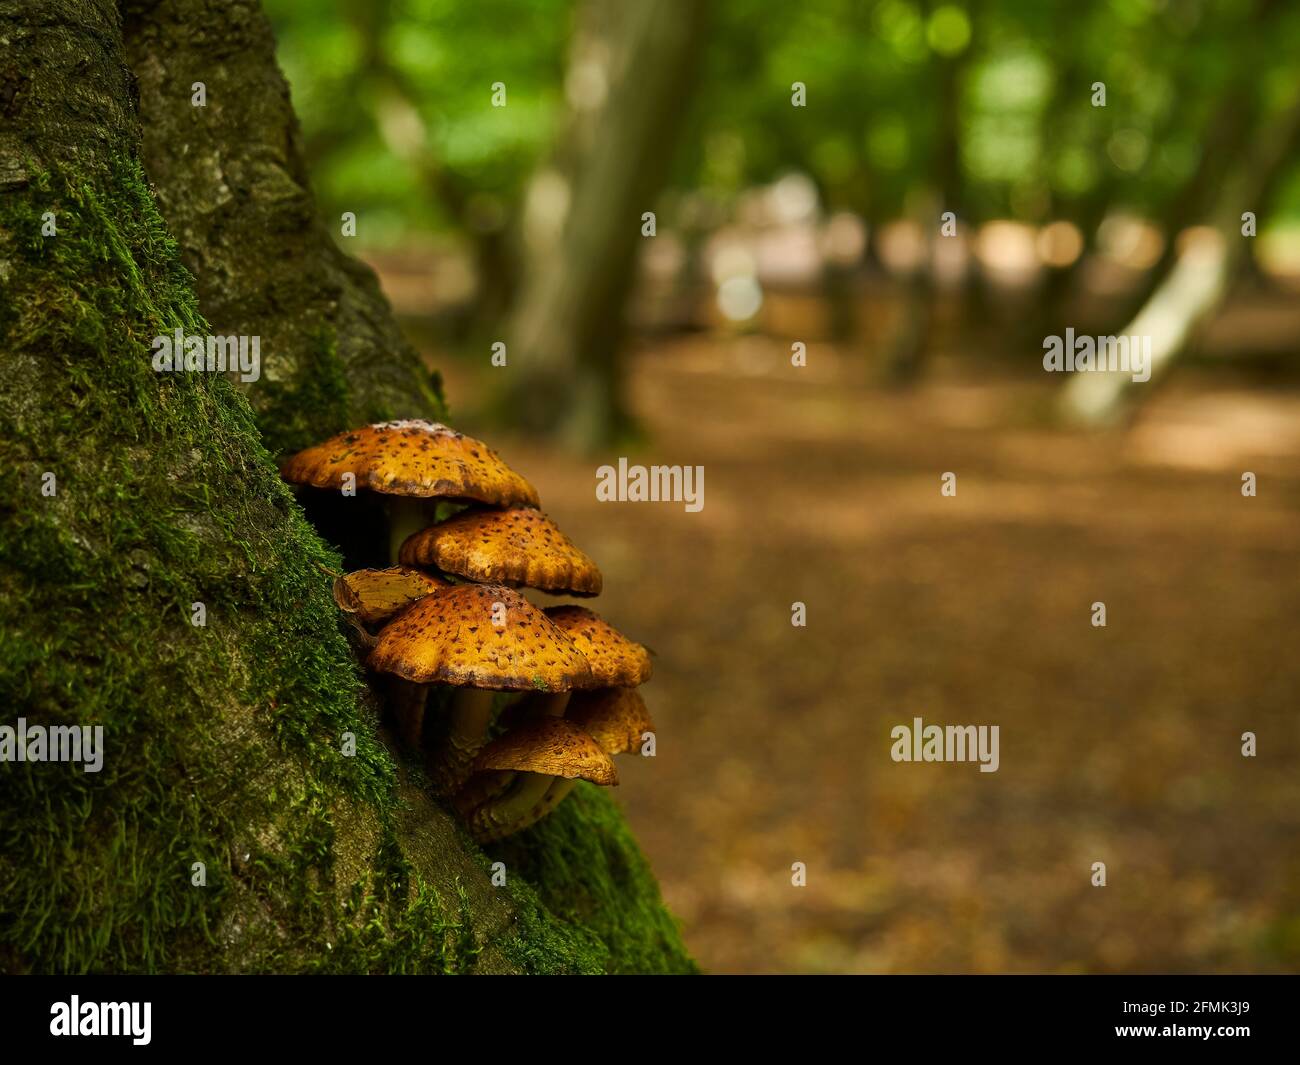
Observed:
{"x":1119,"y":744}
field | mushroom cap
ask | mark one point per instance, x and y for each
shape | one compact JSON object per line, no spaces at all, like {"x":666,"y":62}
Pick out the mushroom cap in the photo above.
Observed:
{"x":616,"y":661}
{"x":511,"y":547}
{"x":451,"y":637}
{"x":375,"y":595}
{"x":412,"y":458}
{"x":549,"y":745}
{"x":614,"y":717}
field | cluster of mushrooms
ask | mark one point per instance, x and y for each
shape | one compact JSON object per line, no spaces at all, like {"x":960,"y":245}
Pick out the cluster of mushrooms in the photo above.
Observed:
{"x":448,"y":629}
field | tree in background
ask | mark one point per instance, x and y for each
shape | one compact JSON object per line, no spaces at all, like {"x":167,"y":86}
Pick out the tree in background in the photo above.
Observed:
{"x":1193,"y":285}
{"x":631,"y":71}
{"x":400,"y":127}
{"x":912,"y":107}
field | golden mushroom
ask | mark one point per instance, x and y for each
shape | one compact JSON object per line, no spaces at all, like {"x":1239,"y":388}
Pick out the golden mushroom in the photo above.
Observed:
{"x":615,"y":661}
{"x":616,"y":718}
{"x":480,"y":639}
{"x":373,"y":596}
{"x":516,"y":547}
{"x":617,"y":665}
{"x":411,"y":463}
{"x":516,"y":771}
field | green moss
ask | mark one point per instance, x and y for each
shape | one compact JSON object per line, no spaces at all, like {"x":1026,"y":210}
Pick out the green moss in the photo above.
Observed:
{"x":391,"y":921}
{"x":309,"y":408}
{"x":588,"y":871}
{"x":165,"y":498}
{"x":317,"y":402}
{"x":223,"y":742}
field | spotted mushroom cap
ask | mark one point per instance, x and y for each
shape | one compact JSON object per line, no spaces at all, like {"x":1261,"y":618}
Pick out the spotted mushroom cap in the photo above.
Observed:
{"x":375,"y":595}
{"x":511,"y":547}
{"x":453,"y":636}
{"x":616,"y":661}
{"x":616,"y":718}
{"x":550,"y":745}
{"x":412,"y":458}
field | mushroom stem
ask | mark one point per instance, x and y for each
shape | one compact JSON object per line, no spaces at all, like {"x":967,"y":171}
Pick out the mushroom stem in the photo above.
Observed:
{"x":555,"y":795}
{"x":552,"y":704}
{"x":407,"y":515}
{"x":521,"y":805}
{"x":541,"y":704}
{"x":481,"y":788}
{"x":470,"y":715}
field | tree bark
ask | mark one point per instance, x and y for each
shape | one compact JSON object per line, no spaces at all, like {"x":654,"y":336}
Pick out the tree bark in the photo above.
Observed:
{"x":631,"y":71}
{"x":233,"y":188}
{"x":158,"y":582}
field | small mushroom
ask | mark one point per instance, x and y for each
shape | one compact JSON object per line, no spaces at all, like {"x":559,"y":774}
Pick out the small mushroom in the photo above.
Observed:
{"x":616,"y":718}
{"x":410,"y":463}
{"x":480,"y":639}
{"x":373,"y":596}
{"x":516,"y":771}
{"x":615,"y":661}
{"x":515,"y":547}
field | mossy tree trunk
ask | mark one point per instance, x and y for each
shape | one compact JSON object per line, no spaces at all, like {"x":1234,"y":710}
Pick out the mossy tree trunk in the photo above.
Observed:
{"x":233,"y":188}
{"x":248,"y":814}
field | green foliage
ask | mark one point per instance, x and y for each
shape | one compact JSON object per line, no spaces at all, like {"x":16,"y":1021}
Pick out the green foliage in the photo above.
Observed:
{"x":1028,"y":133}
{"x":395,"y":100}
{"x":1030,"y":142}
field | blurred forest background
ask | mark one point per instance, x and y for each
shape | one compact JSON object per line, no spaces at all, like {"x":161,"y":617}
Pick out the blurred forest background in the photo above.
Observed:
{"x":820,"y":225}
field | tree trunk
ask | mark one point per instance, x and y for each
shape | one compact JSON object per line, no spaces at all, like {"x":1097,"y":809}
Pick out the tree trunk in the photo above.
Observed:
{"x":157,"y":580}
{"x":233,"y":188}
{"x":1195,"y":285}
{"x":630,"y":74}
{"x":909,"y":345}
{"x":910,"y":335}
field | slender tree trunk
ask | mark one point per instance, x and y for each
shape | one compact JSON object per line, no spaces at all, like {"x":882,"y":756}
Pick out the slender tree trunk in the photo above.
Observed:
{"x":632,"y":68}
{"x":910,"y":335}
{"x":1196,"y":284}
{"x":157,"y":582}
{"x":913,"y":336}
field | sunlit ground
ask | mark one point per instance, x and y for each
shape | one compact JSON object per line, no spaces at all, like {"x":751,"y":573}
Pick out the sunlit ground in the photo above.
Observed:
{"x":1119,"y":745}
